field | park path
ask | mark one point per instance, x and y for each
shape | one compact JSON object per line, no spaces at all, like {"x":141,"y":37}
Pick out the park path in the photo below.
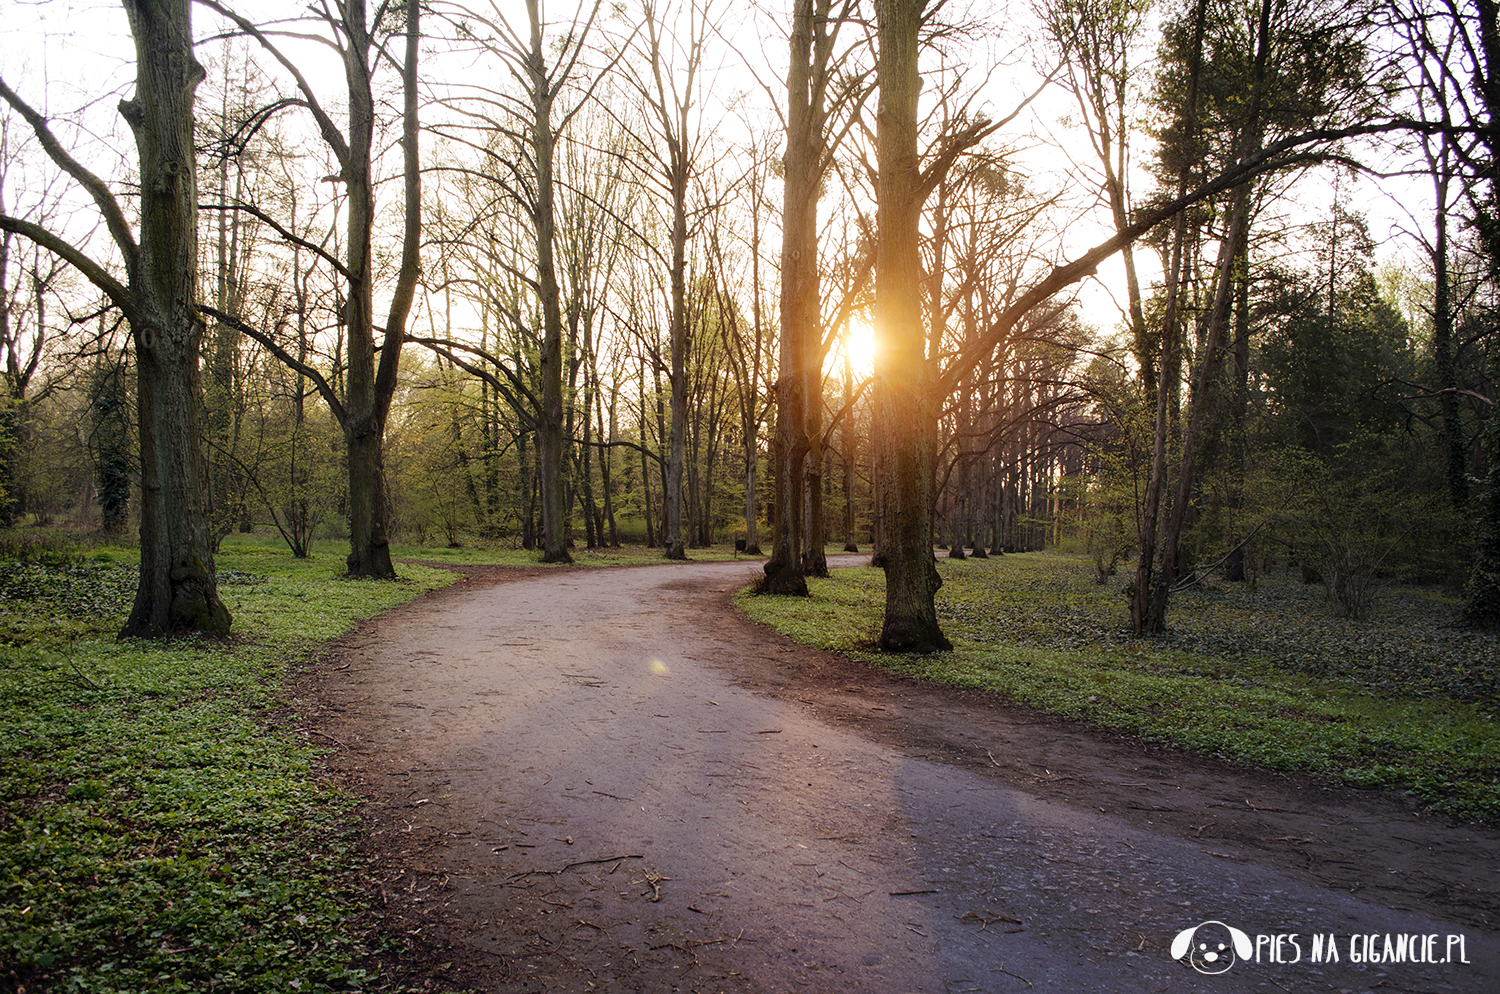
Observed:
{"x":607,"y":780}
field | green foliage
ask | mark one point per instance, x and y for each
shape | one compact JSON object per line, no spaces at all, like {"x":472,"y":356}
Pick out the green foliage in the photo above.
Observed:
{"x":1406,"y":700}
{"x":1328,"y":375}
{"x":110,"y":438}
{"x":1358,"y":527}
{"x":40,"y":545}
{"x":1483,"y":606}
{"x":161,"y":827}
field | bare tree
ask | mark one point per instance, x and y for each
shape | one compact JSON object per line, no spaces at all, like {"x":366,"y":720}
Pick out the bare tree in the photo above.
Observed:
{"x":178,"y":590}
{"x":1096,"y":39}
{"x":371,"y":376}
{"x":675,"y":144}
{"x":531,"y":129}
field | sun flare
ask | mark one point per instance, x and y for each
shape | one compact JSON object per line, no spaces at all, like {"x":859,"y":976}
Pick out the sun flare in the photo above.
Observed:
{"x":859,"y":342}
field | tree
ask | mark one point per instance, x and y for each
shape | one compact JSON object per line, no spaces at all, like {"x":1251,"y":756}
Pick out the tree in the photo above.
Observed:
{"x":178,"y":590}
{"x":534,"y":133}
{"x":675,"y":148}
{"x":371,"y":377}
{"x":904,"y":401}
{"x":1096,"y":39}
{"x":26,"y":288}
{"x":811,"y":103}
{"x":747,"y":341}
{"x":1271,"y":72}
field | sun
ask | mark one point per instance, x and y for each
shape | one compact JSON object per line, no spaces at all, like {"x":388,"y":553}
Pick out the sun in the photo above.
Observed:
{"x":859,"y":341}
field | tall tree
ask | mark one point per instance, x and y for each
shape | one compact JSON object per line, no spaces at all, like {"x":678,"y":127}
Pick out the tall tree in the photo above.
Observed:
{"x":178,"y":590}
{"x":370,"y":379}
{"x":672,"y":99}
{"x":799,"y":386}
{"x":905,"y":400}
{"x":1096,"y":39}
{"x":534,"y":132}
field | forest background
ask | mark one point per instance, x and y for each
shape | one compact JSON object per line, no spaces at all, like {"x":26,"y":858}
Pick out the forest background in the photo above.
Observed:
{"x":525,"y":276}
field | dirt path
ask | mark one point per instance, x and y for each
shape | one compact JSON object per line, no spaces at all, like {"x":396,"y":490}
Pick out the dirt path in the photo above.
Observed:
{"x":608,"y":780}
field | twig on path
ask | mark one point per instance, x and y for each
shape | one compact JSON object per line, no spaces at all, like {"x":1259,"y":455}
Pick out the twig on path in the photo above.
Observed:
{"x":1225,"y":855}
{"x":987,"y":918}
{"x":655,"y":880}
{"x":325,"y":735}
{"x":911,"y":893}
{"x":582,"y":862}
{"x":1001,"y":969}
{"x":1284,"y":811}
{"x":592,"y":862}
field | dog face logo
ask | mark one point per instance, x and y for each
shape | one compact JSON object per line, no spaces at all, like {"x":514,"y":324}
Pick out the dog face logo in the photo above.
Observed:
{"x":1212,"y":947}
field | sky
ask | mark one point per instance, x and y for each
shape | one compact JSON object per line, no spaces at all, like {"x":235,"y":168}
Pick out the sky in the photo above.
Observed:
{"x":75,"y":55}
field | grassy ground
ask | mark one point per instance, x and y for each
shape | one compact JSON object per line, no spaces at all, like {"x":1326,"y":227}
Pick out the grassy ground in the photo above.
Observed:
{"x":1405,"y":700}
{"x":161,"y":825}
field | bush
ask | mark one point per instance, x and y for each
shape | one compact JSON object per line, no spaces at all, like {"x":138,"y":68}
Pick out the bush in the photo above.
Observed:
{"x":49,"y":547}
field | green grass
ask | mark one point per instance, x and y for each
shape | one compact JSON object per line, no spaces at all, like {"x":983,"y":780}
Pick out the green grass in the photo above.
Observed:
{"x":161,"y":825}
{"x":1406,"y":700}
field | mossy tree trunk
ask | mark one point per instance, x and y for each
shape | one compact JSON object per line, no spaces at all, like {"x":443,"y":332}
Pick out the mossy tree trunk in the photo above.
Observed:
{"x":177,"y":588}
{"x":177,"y":591}
{"x":904,"y":404}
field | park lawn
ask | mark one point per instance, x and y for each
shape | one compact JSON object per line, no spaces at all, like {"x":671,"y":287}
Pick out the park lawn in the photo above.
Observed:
{"x":1406,"y":700}
{"x":162,"y":823}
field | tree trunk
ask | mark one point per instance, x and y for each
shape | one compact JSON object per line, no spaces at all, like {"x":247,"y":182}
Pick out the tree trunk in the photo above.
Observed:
{"x":1234,"y":563}
{"x":1143,"y":619}
{"x":178,"y":590}
{"x":369,"y":543}
{"x":905,"y":408}
{"x":850,"y":446}
{"x":799,"y":307}
{"x":1442,"y":344}
{"x":1235,"y":243}
{"x":550,"y":425}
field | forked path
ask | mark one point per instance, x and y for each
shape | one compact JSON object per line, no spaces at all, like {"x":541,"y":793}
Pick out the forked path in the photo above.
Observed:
{"x":608,"y":780}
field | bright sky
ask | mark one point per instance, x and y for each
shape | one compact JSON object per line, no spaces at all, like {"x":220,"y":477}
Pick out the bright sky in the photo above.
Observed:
{"x":70,"y":54}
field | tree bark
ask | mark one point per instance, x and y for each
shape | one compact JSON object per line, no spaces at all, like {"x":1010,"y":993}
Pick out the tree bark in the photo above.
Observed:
{"x":784,"y":571}
{"x":178,"y":589}
{"x":550,"y":438}
{"x":904,"y":404}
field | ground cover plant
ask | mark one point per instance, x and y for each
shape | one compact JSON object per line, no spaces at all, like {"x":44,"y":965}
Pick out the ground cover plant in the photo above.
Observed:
{"x":161,"y":824}
{"x":1406,"y":699}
